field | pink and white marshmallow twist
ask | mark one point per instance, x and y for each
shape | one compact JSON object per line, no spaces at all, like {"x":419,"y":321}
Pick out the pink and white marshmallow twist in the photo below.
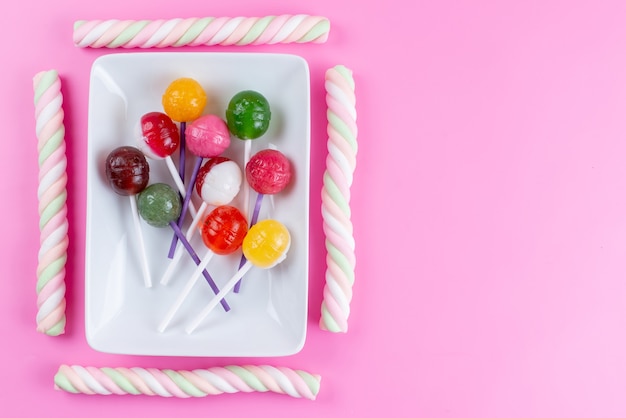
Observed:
{"x":178,"y":32}
{"x":52,"y":197}
{"x":186,"y":383}
{"x":336,"y":213}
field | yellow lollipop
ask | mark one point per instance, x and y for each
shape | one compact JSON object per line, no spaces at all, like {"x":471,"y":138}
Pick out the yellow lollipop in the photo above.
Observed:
{"x":266,"y":244}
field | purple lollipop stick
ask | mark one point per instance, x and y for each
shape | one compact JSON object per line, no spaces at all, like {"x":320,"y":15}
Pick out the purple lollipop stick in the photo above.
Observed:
{"x":183,"y":212}
{"x":196,"y":260}
{"x":255,"y":217}
{"x":181,"y":153}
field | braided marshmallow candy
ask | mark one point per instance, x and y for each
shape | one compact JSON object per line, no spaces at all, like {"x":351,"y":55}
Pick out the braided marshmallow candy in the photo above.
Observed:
{"x":186,"y":384}
{"x":201,"y":31}
{"x":340,"y":166}
{"x":52,"y":197}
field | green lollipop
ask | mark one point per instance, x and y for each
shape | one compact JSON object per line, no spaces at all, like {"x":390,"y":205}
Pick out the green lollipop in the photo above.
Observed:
{"x":248,"y":115}
{"x":159,"y":204}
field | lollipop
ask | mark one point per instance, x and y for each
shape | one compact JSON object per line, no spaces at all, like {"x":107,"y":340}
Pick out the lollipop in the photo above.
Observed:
{"x":207,"y":137}
{"x":268,"y":172}
{"x":128,"y":173}
{"x":217,"y":183}
{"x":248,"y":116}
{"x":266,"y":244}
{"x":159,"y":205}
{"x":184,"y":100}
{"x":158,"y":139}
{"x":223,"y":232}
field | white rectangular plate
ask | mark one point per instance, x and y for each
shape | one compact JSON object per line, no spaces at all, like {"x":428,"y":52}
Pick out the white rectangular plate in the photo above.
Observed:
{"x":268,"y":316}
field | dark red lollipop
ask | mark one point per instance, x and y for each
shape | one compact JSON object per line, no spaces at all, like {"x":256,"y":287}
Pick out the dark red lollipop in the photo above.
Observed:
{"x":128,"y":173}
{"x":127,"y":170}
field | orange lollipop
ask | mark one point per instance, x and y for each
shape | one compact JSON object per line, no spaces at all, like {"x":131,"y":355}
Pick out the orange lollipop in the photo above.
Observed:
{"x":183,"y":101}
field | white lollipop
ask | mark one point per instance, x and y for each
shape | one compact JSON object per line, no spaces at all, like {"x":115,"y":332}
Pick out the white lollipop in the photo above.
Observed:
{"x":218,"y":182}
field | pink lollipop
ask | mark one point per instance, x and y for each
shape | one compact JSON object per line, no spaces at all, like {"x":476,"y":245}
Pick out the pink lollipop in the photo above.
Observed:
{"x":267,"y":172}
{"x":207,"y":137}
{"x":217,"y":183}
{"x":158,"y":139}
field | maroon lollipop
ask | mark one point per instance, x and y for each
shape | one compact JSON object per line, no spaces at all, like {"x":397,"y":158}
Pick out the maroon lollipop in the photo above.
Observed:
{"x":128,"y":173}
{"x":127,"y":170}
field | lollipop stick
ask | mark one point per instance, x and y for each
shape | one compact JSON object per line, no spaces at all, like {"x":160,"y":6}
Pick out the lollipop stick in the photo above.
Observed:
{"x":185,"y":292}
{"x":179,"y":183}
{"x":142,"y":247}
{"x":183,"y":212}
{"x":246,"y":187}
{"x":181,"y":152}
{"x":255,"y":217}
{"x":213,"y":303}
{"x":197,"y":260}
{"x":179,"y":252}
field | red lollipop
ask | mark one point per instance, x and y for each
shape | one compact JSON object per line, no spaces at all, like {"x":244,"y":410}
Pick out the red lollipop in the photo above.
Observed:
{"x":223,"y":232}
{"x":224,"y":229}
{"x":159,"y":135}
{"x":158,"y":139}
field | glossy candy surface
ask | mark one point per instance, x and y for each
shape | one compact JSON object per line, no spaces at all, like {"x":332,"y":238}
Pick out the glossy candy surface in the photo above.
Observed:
{"x":184,"y":99}
{"x":266,"y":243}
{"x":159,"y":204}
{"x":207,"y":136}
{"x":219,"y":181}
{"x":248,"y":115}
{"x":268,"y":171}
{"x":127,"y":170}
{"x":159,"y":135}
{"x":224,"y":229}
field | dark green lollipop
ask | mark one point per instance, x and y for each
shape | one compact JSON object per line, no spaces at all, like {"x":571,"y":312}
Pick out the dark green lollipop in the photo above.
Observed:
{"x":159,"y":204}
{"x":248,"y":115}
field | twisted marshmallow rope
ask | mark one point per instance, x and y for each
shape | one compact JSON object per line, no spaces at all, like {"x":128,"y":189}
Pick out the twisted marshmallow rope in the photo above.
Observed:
{"x":186,"y":384}
{"x":52,"y":197}
{"x":340,"y":166}
{"x":200,"y":31}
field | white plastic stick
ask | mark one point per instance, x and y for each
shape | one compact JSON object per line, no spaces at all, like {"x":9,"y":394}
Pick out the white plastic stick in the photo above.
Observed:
{"x":247,"y":150}
{"x":142,"y":247}
{"x":179,"y":251}
{"x":179,"y":183}
{"x":186,"y":290}
{"x":220,"y":295}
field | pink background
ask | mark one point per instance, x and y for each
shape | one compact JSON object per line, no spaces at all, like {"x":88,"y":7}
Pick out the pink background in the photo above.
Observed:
{"x":489,"y":207}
